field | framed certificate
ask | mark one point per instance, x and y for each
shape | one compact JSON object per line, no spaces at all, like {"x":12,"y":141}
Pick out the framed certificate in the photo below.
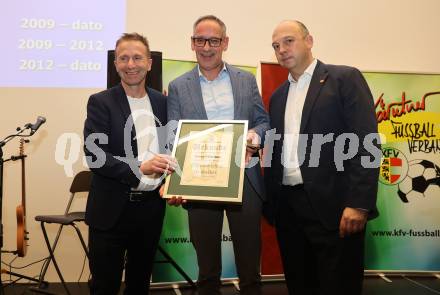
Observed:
{"x":211,"y":158}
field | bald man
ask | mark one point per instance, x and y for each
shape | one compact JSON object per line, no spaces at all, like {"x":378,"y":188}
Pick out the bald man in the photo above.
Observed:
{"x":321,"y":203}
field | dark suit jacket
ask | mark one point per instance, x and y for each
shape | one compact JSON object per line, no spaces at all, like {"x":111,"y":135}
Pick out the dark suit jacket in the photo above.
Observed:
{"x":107,"y":115}
{"x":338,"y":101}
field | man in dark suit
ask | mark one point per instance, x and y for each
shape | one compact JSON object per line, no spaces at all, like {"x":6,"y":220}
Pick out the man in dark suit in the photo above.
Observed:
{"x":322,"y":184}
{"x":217,"y":91}
{"x":124,"y":210}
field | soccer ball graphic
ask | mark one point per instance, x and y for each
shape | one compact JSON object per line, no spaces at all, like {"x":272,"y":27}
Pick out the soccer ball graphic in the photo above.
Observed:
{"x":423,"y":180}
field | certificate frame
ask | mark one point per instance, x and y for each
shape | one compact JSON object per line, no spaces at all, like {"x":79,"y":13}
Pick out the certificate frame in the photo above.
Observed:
{"x":200,"y":145}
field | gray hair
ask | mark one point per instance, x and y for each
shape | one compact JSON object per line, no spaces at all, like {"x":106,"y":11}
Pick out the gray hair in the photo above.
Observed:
{"x":213,"y":18}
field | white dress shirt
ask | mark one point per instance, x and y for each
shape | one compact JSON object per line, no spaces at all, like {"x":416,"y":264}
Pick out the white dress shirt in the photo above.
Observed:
{"x":292,"y":122}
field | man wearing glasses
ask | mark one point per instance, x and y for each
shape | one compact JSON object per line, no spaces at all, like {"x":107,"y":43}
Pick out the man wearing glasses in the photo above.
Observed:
{"x":214,"y":90}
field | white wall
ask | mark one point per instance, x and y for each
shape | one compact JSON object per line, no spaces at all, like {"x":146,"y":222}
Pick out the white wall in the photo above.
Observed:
{"x":391,"y":35}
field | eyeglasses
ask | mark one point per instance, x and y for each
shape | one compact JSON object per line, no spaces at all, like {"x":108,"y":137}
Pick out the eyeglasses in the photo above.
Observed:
{"x":125,"y":59}
{"x":200,"y":42}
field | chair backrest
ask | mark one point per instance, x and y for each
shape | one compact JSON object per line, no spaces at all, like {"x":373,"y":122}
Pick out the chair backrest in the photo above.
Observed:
{"x":81,"y":182}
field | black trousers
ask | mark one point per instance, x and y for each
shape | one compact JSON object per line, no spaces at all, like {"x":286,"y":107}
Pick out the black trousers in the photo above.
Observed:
{"x":315,"y":259}
{"x":130,"y":244}
{"x":205,"y":225}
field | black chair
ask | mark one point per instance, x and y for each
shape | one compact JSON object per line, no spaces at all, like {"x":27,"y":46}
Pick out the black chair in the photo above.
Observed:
{"x":81,"y":183}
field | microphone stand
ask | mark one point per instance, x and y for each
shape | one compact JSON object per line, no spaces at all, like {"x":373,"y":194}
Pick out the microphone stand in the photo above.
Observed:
{"x":2,"y":161}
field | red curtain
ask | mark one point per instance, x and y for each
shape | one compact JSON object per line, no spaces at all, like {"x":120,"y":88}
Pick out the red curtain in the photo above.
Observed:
{"x":272,"y":75}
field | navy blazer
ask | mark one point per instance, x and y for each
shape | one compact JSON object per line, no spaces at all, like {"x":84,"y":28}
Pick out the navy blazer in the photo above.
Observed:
{"x":338,"y":101}
{"x":108,"y":112}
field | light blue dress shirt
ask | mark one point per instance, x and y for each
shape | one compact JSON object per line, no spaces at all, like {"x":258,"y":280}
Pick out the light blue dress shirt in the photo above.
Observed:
{"x":217,"y":96}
